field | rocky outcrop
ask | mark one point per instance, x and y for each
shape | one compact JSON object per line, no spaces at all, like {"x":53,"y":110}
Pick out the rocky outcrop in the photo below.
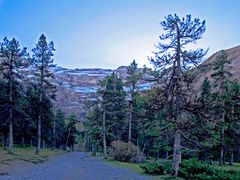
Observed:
{"x":77,"y":86}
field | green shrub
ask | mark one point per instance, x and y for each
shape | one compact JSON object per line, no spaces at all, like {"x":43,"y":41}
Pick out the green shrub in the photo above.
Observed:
{"x":226,"y":175}
{"x":156,"y":168}
{"x":120,"y":152}
{"x":192,"y":167}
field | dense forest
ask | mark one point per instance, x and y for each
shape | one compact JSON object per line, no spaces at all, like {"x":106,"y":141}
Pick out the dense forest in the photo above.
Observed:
{"x":175,"y":119}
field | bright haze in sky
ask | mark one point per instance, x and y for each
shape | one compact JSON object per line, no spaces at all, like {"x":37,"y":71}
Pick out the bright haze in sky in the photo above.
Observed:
{"x":111,"y":33}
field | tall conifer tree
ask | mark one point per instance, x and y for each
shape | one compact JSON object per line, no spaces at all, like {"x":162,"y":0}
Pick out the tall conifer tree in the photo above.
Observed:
{"x":13,"y":59}
{"x":221,"y":75}
{"x":43,"y":61}
{"x":173,"y":62}
{"x":133,"y":76}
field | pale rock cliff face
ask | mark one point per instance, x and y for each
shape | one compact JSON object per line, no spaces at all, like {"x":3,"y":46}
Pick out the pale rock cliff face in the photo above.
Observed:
{"x":77,"y":86}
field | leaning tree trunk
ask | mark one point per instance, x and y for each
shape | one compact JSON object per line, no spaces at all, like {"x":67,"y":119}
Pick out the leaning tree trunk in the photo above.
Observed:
{"x":130,"y":128}
{"x":69,"y":131}
{"x":104,"y":134}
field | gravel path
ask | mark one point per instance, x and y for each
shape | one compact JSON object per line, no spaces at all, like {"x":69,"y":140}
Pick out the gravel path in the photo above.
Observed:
{"x":75,"y":165}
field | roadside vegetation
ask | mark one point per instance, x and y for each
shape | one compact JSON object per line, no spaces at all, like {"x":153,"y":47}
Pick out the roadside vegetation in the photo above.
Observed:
{"x":190,"y":169}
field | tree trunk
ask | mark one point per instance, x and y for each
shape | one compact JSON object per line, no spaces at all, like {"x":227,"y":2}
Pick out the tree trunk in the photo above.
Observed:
{"x":222,"y":160}
{"x":38,"y":145}
{"x":67,"y":138}
{"x":167,"y":156}
{"x":54,"y":134}
{"x":10,"y":133}
{"x":93,"y":149}
{"x":231,"y":158}
{"x":23,"y":141}
{"x":104,"y":134}
{"x":43,"y":144}
{"x":144,"y":146}
{"x":221,"y":156}
{"x":176,"y":153}
{"x":130,"y":128}
{"x":177,"y":90}
{"x":10,"y":140}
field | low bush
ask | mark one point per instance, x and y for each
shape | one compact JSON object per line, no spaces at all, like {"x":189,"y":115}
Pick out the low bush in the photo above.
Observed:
{"x":120,"y":152}
{"x":157,"y":168}
{"x":191,"y":169}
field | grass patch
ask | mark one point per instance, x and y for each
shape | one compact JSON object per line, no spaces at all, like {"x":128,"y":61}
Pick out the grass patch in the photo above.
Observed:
{"x":134,"y":167}
{"x":27,"y":154}
{"x":226,"y":167}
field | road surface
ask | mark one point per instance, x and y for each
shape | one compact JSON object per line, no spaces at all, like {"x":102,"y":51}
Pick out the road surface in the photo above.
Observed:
{"x":74,"y":165}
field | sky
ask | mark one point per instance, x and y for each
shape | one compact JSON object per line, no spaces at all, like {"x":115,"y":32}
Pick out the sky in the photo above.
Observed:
{"x":111,"y":33}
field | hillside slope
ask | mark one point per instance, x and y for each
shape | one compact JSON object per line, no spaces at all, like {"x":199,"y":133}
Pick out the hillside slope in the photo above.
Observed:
{"x":206,"y":68}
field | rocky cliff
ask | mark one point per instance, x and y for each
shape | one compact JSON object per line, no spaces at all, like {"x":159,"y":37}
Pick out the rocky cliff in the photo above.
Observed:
{"x":76,"y":86}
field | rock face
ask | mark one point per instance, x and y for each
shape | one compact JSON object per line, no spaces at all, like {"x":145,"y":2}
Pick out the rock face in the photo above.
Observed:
{"x":76,"y":86}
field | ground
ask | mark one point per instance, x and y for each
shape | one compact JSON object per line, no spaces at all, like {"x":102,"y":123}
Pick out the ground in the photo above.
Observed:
{"x":23,"y":164}
{"x":74,"y":165}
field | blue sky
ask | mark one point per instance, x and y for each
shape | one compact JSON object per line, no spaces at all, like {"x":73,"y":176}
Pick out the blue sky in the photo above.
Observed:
{"x":111,"y":33}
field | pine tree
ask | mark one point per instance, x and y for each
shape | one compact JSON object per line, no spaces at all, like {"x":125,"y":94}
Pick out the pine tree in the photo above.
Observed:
{"x":114,"y":108}
{"x":232,"y":125}
{"x":221,"y":75}
{"x":173,"y":63}
{"x":32,"y":111}
{"x":133,"y":76}
{"x":205,"y":91}
{"x":42,"y":56}
{"x":71,"y":130}
{"x":202,"y":131}
{"x":13,"y":60}
{"x":94,"y":127}
{"x":60,"y":128}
